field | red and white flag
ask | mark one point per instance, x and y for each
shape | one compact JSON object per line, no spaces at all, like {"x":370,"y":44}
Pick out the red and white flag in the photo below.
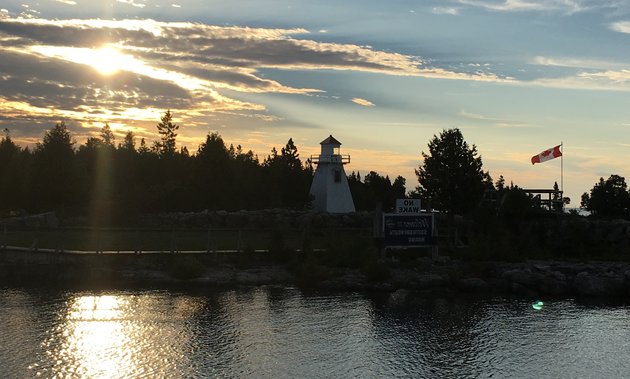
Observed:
{"x":546,"y":155}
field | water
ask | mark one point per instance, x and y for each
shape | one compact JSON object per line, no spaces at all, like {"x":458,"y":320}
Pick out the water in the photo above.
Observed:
{"x":282,"y":332}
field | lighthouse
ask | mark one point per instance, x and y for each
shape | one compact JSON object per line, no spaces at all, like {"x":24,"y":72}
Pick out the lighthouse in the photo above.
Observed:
{"x":330,"y":189}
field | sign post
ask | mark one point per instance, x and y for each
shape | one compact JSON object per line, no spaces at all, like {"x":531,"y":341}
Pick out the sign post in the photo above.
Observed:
{"x":409,"y":227}
{"x":407,"y":206}
{"x":408,"y":230}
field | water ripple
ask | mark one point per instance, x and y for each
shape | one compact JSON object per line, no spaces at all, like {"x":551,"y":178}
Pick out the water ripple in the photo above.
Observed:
{"x":271,"y":332}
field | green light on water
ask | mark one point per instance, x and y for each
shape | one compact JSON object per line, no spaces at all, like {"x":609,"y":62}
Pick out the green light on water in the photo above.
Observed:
{"x":538,"y":305}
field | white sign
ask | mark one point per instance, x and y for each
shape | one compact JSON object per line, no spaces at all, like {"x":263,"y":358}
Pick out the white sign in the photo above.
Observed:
{"x":407,"y":206}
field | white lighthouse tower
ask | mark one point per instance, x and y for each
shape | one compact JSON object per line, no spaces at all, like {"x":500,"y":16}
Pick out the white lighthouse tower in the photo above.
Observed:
{"x":330,"y":188}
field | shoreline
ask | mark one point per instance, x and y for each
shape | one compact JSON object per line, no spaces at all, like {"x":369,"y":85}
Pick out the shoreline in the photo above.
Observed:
{"x":532,"y":278}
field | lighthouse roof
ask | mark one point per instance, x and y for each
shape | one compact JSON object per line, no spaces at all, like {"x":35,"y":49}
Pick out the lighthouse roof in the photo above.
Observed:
{"x":330,"y":141}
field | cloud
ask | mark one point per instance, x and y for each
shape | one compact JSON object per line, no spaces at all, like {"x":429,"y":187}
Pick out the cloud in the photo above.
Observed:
{"x":362,"y":102}
{"x":93,"y":70}
{"x":446,"y":10}
{"x":575,"y":62}
{"x":565,"y":6}
{"x":132,"y":3}
{"x":497,"y":122}
{"x":608,"y":80}
{"x":621,"y":26}
{"x":476,"y":116}
{"x":67,"y":2}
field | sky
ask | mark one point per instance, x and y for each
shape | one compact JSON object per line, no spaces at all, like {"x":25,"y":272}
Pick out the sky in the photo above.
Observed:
{"x":383,"y":77}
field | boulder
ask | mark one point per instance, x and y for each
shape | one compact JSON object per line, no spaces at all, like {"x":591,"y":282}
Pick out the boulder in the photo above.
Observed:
{"x":587,"y":284}
{"x":524,"y":277}
{"x":473,"y":285}
{"x":428,"y":281}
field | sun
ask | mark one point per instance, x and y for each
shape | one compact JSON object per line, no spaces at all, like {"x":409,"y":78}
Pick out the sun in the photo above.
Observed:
{"x":106,"y":60}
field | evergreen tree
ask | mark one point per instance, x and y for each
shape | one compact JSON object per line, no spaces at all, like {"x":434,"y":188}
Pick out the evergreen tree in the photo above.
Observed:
{"x":54,"y":186}
{"x":451,"y":175}
{"x":143,"y":149}
{"x":13,"y":170}
{"x":608,"y":198}
{"x":107,"y":136}
{"x":167,"y":130}
{"x":129,"y":142}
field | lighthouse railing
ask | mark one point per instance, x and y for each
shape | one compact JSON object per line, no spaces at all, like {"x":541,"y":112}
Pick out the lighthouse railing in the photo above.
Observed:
{"x":335,"y":158}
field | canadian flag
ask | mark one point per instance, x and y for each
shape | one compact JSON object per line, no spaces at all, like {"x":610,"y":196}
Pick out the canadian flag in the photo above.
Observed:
{"x":546,"y":155}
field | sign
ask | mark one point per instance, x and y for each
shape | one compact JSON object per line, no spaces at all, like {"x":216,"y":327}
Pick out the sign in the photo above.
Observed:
{"x":408,"y":230}
{"x":408,"y":206}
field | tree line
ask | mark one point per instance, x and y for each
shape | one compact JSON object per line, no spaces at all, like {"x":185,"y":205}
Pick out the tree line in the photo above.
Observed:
{"x":112,"y":181}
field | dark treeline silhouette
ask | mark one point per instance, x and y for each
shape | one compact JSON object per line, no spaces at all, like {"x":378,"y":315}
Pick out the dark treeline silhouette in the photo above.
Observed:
{"x":374,"y":189}
{"x":114,"y":182}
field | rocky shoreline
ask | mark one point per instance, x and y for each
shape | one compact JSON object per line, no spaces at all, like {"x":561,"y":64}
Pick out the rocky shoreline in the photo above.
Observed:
{"x":529,"y":278}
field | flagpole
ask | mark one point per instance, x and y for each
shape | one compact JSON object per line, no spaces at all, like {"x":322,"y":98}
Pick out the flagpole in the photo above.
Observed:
{"x":562,"y":168}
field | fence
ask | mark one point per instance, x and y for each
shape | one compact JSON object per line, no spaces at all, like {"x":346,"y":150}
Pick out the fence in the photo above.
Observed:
{"x":138,"y":240}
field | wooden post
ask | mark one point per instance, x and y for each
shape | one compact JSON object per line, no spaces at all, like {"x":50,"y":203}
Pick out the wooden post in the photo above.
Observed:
{"x":378,"y":230}
{"x":4,"y":237}
{"x":172,"y":240}
{"x":435,"y":249}
{"x":136,"y":248}
{"x":208,"y":241}
{"x":239,"y":241}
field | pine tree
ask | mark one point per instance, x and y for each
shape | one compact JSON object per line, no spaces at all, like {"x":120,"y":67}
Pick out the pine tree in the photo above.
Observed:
{"x":107,"y":136}
{"x":167,"y":130}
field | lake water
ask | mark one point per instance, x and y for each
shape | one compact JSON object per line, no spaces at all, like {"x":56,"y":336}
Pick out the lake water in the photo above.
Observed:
{"x":275,"y":332}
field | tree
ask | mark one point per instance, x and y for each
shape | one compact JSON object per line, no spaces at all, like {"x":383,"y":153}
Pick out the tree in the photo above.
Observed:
{"x":451,"y":176}
{"x":167,"y":130}
{"x":129,"y":143}
{"x":53,"y":171}
{"x":287,"y":181}
{"x":609,"y":198}
{"x":13,"y":171}
{"x":107,"y":136}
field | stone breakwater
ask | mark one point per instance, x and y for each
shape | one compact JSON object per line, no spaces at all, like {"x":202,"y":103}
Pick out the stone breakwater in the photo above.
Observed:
{"x":530,"y":278}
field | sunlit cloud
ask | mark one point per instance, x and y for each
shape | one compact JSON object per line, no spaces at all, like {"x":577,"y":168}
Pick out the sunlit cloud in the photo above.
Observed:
{"x":575,"y":62}
{"x":609,"y":80}
{"x":621,"y":26}
{"x":445,"y":10}
{"x":132,"y":3}
{"x":362,"y":102}
{"x":137,"y":60}
{"x":566,"y":6}
{"x":476,"y":116}
{"x":67,"y":2}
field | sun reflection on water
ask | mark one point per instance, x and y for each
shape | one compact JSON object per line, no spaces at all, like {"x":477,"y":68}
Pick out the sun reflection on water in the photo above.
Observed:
{"x":106,"y":336}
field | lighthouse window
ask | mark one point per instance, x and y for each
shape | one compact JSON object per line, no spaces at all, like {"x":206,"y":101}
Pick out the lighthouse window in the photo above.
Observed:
{"x":337,"y":176}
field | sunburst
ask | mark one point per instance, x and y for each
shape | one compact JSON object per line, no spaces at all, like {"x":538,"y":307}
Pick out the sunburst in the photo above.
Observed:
{"x":106,"y":60}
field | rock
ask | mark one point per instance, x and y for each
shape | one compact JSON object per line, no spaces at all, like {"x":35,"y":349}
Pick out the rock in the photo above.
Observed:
{"x":552,"y":286}
{"x":525,"y":278}
{"x":598,"y":285}
{"x":428,"y":281}
{"x":473,"y":285}
{"x":398,"y":296}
